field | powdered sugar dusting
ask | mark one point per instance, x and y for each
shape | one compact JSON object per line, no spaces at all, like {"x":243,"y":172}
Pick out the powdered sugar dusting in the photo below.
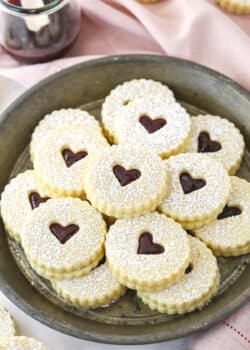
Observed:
{"x":166,"y":140}
{"x":98,"y":284}
{"x":49,"y":162}
{"x":62,"y":117}
{"x":15,"y":204}
{"x":233,"y":231}
{"x":122,"y":244}
{"x":191,"y":286}
{"x":200,"y":203}
{"x":222,"y":131}
{"x":42,"y":247}
{"x":21,"y":343}
{"x":104,"y":184}
{"x":130,"y":91}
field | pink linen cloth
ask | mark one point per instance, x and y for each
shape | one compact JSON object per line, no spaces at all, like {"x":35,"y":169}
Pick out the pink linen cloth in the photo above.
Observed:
{"x":192,"y":29}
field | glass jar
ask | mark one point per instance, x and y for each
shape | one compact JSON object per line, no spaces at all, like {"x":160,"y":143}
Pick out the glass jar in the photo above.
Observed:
{"x":38,"y":30}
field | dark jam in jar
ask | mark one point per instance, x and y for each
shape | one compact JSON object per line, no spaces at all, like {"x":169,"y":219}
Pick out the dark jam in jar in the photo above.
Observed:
{"x":43,"y":37}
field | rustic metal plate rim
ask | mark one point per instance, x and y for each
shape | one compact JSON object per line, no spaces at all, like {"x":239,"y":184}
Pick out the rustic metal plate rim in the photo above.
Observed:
{"x":119,"y":339}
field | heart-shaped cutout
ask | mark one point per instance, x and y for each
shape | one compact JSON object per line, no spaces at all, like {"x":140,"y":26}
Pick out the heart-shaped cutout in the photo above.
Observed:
{"x":71,"y":158}
{"x":124,"y":176}
{"x":35,"y":199}
{"x":147,"y":246}
{"x":152,"y":125}
{"x":63,"y":233}
{"x":229,"y":211}
{"x":205,"y":144}
{"x":189,"y":184}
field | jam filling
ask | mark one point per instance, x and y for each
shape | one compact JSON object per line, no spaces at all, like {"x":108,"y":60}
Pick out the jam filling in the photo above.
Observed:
{"x":71,"y":158}
{"x":228,"y":212}
{"x":190,"y":184}
{"x":147,"y":246}
{"x":63,"y":233}
{"x":124,"y":176}
{"x":35,"y":199}
{"x":152,"y":125}
{"x":205,"y":144}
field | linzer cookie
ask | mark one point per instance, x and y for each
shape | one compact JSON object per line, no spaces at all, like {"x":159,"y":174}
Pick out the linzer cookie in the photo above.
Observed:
{"x":148,"y":252}
{"x":64,"y":238}
{"x":200,"y":189}
{"x":19,"y":198}
{"x":21,"y":343}
{"x":129,"y":91}
{"x":62,"y":158}
{"x":7,"y":324}
{"x":152,"y":123}
{"x":62,"y":117}
{"x":199,"y":283}
{"x":218,"y":138}
{"x":229,"y":233}
{"x":235,"y":6}
{"x":125,"y":181}
{"x":96,"y":289}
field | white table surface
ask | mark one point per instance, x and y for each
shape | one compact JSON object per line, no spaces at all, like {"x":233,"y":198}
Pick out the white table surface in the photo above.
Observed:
{"x":9,"y":90}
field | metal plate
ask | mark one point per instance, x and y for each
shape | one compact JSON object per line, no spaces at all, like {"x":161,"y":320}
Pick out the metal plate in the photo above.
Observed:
{"x":9,"y":90}
{"x":129,"y":320}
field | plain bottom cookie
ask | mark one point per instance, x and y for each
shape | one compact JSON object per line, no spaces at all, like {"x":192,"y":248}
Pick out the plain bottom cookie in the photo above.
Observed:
{"x":189,"y":225}
{"x":46,"y":273}
{"x":194,"y":289}
{"x":232,"y":252}
{"x":96,"y":289}
{"x":21,"y":343}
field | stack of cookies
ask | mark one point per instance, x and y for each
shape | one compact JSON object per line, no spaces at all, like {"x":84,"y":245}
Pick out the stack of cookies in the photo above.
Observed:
{"x":156,"y":173}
